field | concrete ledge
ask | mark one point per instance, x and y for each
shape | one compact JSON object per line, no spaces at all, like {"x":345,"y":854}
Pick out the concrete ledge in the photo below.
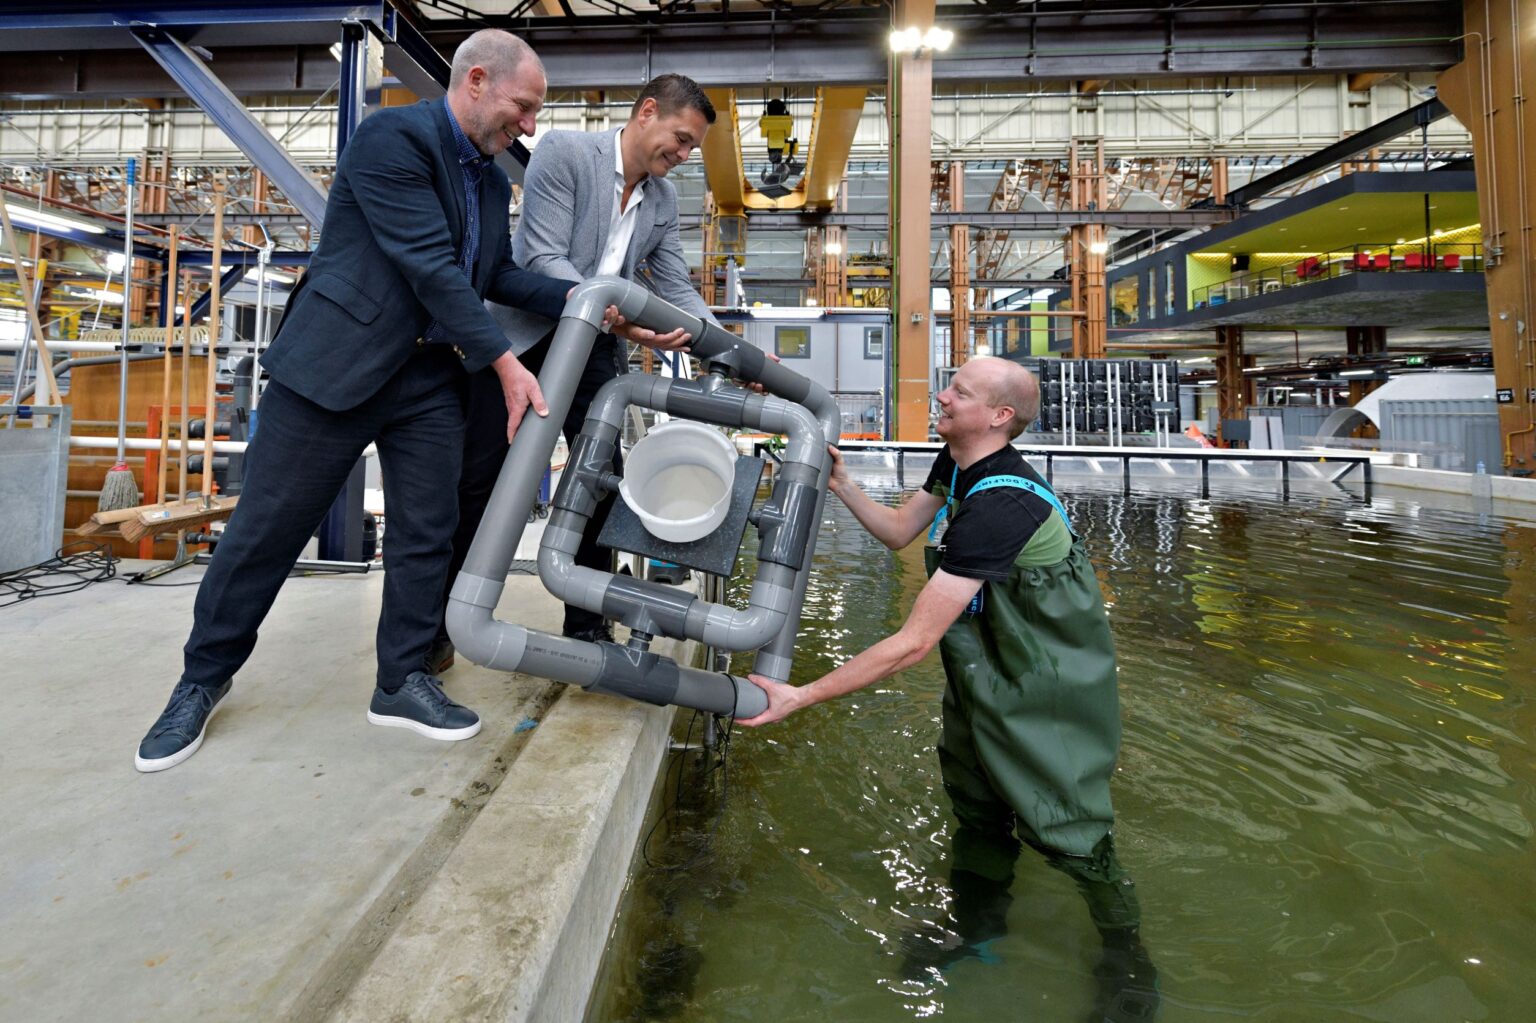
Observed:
{"x":1504,"y":488}
{"x":513,"y":925}
{"x":304,"y":864}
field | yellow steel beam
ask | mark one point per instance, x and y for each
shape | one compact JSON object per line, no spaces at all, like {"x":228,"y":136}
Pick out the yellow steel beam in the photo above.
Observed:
{"x":722,"y":155}
{"x":832,"y":129}
{"x":833,"y":124}
{"x":1361,"y":81}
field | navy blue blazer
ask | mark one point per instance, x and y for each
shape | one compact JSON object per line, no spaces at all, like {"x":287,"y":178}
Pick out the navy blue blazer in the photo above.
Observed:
{"x":387,"y":265}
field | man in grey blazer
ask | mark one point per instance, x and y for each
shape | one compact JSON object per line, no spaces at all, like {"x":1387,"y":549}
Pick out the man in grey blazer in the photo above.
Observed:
{"x":593,"y":203}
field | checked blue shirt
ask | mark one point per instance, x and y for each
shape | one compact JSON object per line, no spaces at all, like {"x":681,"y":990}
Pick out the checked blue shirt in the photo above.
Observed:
{"x":473,"y":163}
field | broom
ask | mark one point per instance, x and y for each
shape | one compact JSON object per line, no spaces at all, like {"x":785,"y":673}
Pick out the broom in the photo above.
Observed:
{"x":119,"y":490}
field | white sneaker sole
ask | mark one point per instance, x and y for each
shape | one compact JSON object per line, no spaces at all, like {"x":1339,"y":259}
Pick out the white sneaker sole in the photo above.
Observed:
{"x":166,"y":763}
{"x":446,"y":734}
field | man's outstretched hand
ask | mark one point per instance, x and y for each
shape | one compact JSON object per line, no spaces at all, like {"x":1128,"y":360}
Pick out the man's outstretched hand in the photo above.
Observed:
{"x":783,"y":700}
{"x":675,"y":341}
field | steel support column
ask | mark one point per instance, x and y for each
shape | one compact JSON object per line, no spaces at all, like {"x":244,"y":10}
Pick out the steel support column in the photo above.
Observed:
{"x":352,"y":93}
{"x":911,"y":105}
{"x":1088,"y":248}
{"x":959,"y":271}
{"x":187,"y":68}
{"x":1234,"y":391}
{"x":1486,"y":93}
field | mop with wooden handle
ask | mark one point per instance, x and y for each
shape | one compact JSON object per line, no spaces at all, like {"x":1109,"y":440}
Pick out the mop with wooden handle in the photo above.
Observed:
{"x":119,"y":490}
{"x":165,"y":373}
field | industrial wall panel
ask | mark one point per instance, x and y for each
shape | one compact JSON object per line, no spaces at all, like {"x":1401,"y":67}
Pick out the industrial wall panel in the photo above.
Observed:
{"x":1458,"y":433}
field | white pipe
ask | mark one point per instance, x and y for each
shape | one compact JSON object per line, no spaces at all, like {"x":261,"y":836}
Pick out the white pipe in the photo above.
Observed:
{"x":227,"y":447}
{"x":56,"y":344}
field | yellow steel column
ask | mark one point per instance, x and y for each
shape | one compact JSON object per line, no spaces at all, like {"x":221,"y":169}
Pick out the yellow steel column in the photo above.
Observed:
{"x":1486,"y":93}
{"x":911,"y":100}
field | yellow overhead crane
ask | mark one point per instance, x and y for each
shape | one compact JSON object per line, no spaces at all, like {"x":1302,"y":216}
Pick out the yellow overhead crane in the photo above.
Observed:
{"x":833,"y":124}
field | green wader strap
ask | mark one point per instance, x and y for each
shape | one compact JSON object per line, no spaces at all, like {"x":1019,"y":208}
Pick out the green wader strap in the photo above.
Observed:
{"x":998,"y":481}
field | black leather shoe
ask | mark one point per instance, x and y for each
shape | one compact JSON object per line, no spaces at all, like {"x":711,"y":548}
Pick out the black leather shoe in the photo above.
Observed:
{"x":597,"y":634}
{"x":440,"y":657}
{"x":421,"y":706}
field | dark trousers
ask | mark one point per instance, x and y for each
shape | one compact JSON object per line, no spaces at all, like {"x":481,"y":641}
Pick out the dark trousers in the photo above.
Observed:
{"x":485,"y":449}
{"x":294,"y":469}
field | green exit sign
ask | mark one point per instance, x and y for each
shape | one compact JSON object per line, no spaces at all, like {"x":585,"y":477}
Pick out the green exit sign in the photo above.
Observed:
{"x":1415,"y":360}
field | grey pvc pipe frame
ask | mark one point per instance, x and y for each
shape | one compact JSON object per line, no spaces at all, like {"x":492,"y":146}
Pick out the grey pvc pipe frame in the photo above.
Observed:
{"x":607,"y":667}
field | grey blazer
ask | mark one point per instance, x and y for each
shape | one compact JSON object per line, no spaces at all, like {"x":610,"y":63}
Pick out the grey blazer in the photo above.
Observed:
{"x":563,"y":229}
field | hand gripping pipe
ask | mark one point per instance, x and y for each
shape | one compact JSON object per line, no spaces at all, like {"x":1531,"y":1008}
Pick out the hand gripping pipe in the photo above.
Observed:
{"x":633,"y":671}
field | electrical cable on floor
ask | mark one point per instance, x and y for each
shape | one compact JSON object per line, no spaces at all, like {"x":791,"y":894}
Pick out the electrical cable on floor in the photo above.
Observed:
{"x":138,"y":580}
{"x":74,"y":567}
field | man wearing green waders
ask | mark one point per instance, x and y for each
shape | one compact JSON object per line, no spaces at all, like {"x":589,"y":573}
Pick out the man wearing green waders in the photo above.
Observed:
{"x":1031,"y":712}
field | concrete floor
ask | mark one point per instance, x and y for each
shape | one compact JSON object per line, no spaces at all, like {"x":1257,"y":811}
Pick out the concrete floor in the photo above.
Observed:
{"x":304,"y":864}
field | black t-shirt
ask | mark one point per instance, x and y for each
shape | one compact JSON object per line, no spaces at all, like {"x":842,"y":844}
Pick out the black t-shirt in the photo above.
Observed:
{"x":989,"y":529}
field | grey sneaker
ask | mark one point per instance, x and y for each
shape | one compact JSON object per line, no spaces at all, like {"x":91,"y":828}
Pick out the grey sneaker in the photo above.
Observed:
{"x":421,"y":706}
{"x":181,"y":726}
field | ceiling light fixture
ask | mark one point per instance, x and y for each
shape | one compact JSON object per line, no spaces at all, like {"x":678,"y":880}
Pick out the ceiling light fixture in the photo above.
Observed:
{"x":914,"y":40}
{"x":37,"y":218}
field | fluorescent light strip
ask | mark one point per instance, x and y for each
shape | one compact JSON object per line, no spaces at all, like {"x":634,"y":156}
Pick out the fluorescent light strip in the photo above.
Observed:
{"x":37,"y":218}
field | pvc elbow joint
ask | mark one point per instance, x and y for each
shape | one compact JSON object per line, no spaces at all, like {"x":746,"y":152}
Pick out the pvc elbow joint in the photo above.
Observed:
{"x":592,"y":298}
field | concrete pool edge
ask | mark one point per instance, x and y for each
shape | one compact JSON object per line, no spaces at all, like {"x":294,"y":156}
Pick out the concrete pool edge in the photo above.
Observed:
{"x":1504,"y":488}
{"x":531,"y":889}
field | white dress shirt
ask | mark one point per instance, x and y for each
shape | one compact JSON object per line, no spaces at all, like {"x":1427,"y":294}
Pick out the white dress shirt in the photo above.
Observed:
{"x":621,"y":223}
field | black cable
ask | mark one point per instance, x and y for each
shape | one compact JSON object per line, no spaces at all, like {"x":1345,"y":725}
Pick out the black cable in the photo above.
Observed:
{"x":721,"y":765}
{"x":74,"y":567}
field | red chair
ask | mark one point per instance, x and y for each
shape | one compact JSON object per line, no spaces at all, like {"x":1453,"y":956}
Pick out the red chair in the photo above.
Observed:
{"x":1414,"y":261}
{"x":1383,"y":261}
{"x":1451,"y":261}
{"x":1362,"y":261}
{"x":1309,"y":267}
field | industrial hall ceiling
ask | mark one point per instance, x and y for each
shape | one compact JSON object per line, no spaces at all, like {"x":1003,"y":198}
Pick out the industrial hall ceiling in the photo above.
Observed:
{"x":1171,"y":89}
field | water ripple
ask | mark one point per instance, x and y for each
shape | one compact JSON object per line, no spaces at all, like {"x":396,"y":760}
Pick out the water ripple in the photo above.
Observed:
{"x":1326,"y":790}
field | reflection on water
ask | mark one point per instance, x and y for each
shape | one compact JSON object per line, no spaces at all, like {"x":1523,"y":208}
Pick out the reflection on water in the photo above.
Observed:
{"x":1325,"y":792}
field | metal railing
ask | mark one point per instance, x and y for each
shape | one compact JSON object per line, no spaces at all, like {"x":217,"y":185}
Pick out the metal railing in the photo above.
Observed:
{"x":1319,"y":464}
{"x":1448,"y":257}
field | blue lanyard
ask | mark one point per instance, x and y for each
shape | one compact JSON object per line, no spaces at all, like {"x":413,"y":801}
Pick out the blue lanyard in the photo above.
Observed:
{"x":999,"y":481}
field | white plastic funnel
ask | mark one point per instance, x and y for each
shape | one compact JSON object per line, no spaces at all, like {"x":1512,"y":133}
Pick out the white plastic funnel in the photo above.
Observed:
{"x":678,"y":480}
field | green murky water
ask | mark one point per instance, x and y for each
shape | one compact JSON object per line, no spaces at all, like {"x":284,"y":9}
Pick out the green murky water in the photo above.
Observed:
{"x":1325,"y":794}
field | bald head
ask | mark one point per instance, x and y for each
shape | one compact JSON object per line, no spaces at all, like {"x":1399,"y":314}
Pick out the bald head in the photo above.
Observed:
{"x":1009,"y":384}
{"x":496,"y":89}
{"x":499,"y":53}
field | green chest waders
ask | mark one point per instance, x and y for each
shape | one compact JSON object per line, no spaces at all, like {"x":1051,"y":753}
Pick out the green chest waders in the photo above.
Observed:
{"x":1031,"y":712}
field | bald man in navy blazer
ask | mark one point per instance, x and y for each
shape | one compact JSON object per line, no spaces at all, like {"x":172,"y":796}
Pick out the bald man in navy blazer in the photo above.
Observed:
{"x":376,"y":347}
